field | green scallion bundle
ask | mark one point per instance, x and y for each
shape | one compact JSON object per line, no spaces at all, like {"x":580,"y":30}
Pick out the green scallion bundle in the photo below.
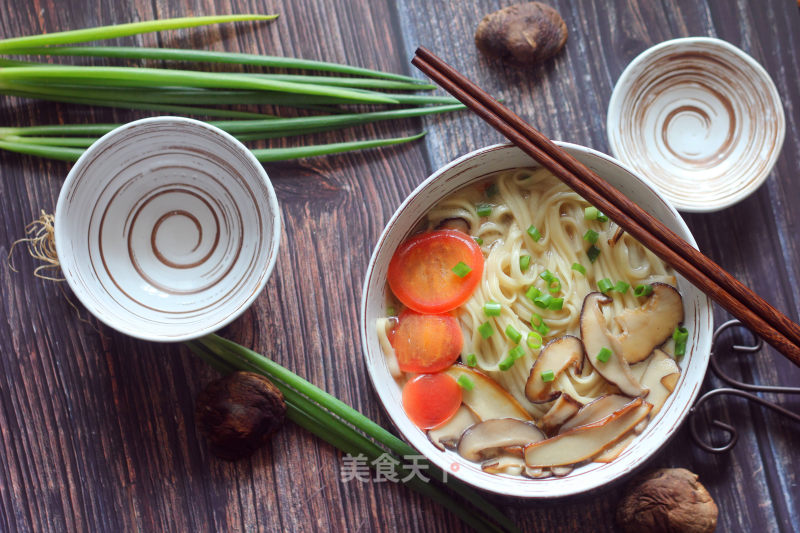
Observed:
{"x":202,"y":93}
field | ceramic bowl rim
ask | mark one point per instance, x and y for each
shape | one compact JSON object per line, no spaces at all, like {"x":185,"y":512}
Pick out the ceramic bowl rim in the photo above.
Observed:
{"x":234,"y":144}
{"x":375,"y":374}
{"x":622,"y":91}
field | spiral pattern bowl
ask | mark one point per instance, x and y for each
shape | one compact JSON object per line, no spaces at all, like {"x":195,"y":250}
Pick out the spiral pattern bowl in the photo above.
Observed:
{"x":700,"y":118}
{"x":167,"y":229}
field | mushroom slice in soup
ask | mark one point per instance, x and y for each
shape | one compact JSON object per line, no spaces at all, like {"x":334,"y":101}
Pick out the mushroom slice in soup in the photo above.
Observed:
{"x":562,"y":410}
{"x":447,"y":435}
{"x":585,"y":442}
{"x":504,"y":464}
{"x":486,"y":439}
{"x":645,"y":327}
{"x":555,"y":357}
{"x":661,"y":365}
{"x":609,"y":454}
{"x":596,"y":339}
{"x":487,"y":399}
{"x":670,"y":381}
{"x":596,"y":410}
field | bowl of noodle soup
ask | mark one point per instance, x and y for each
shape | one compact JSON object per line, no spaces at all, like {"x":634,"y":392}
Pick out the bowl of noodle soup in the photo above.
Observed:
{"x":536,"y":216}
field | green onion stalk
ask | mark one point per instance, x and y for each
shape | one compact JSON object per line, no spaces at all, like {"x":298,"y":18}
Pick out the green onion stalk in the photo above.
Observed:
{"x":184,"y":91}
{"x":350,"y":431}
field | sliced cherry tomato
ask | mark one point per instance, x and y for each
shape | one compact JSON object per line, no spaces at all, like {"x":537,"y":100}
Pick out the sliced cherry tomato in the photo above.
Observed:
{"x":430,"y":400}
{"x":421,"y":271}
{"x":426,"y":343}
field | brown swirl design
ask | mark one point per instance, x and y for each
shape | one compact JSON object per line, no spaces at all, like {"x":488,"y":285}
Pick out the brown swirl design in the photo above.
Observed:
{"x":700,"y":118}
{"x":177,"y":230}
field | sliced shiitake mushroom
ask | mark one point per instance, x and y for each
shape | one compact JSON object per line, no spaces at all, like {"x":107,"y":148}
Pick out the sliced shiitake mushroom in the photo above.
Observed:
{"x":456,"y":223}
{"x":670,"y":381}
{"x":487,"y":399}
{"x":645,"y":327}
{"x":661,"y":365}
{"x":447,"y":435}
{"x":585,"y":442}
{"x":504,"y":464}
{"x":596,"y":410}
{"x":485,"y":439}
{"x":557,"y":355}
{"x":611,"y":453}
{"x":561,"y":471}
{"x":562,"y":409}
{"x":595,"y":336}
{"x":536,"y":472}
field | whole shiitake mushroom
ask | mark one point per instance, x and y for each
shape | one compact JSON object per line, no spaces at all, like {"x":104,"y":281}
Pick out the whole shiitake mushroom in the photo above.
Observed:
{"x":239,"y":413}
{"x":669,"y":500}
{"x":523,"y":34}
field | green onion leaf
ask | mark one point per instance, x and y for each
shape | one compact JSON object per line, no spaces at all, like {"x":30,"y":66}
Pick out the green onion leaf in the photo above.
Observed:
{"x":465,"y":383}
{"x":591,"y":236}
{"x":532,"y":293}
{"x":680,"y":336}
{"x":534,"y":233}
{"x":514,"y":335}
{"x":548,"y":375}
{"x":390,"y":311}
{"x":591,"y":213}
{"x":602,"y":218}
{"x":537,"y":323}
{"x":472,"y":360}
{"x":543,"y":300}
{"x":478,"y":240}
{"x":643,"y":290}
{"x":492,"y":308}
{"x":486,"y":330}
{"x":484,"y":210}
{"x":506,"y":363}
{"x":534,"y":340}
{"x":556,"y":304}
{"x":622,"y":287}
{"x":593,"y":253}
{"x":604,"y":355}
{"x":605,"y":285}
{"x":547,"y":276}
{"x":524,"y":262}
{"x":518,"y":352}
{"x":461,"y":269}
{"x":579,"y":268}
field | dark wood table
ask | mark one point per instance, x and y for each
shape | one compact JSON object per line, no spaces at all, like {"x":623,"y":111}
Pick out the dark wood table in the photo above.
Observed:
{"x":97,"y":430}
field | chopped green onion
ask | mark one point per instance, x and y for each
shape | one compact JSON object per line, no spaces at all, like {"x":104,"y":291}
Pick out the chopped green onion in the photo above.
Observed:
{"x":390,"y":311}
{"x":602,"y":218}
{"x":579,"y":268}
{"x":547,"y":276}
{"x":478,"y":240}
{"x":461,"y":269}
{"x":604,"y":285}
{"x":553,"y":283}
{"x":680,"y":336}
{"x":524,"y":262}
{"x":590,"y":236}
{"x":486,"y":330}
{"x":506,"y":363}
{"x":534,"y":233}
{"x":548,"y":375}
{"x":543,"y":301}
{"x":532,"y":293}
{"x":517,"y":352}
{"x":471,"y":360}
{"x":622,"y":287}
{"x":556,"y":304}
{"x":484,"y":210}
{"x":513,"y":334}
{"x":591,"y":213}
{"x":464,"y":382}
{"x":604,"y":355}
{"x":534,"y":340}
{"x":537,"y":323}
{"x":492,"y":308}
{"x":593,"y":253}
{"x":491,"y":190}
{"x":643,"y":290}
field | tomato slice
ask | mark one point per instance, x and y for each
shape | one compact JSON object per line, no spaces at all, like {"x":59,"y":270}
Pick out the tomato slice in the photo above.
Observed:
{"x":430,"y":400}
{"x":421,"y":271}
{"x":426,"y":343}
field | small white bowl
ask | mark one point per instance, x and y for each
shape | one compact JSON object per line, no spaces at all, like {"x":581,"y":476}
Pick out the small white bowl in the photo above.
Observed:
{"x":698,"y":319}
{"x":167,"y":229}
{"x":700,"y":118}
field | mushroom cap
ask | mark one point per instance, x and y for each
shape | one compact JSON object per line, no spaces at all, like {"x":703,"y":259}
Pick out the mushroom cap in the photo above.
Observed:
{"x":669,"y":500}
{"x":239,"y":413}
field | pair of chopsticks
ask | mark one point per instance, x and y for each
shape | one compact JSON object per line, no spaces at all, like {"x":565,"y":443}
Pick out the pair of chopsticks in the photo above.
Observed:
{"x":758,"y":315}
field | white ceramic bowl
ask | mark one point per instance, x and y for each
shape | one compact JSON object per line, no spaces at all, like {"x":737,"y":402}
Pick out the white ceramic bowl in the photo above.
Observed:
{"x":167,"y":229}
{"x":700,"y":118}
{"x":469,"y":169}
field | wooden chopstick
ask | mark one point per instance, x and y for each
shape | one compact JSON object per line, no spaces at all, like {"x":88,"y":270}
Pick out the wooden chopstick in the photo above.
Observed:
{"x":751,"y":309}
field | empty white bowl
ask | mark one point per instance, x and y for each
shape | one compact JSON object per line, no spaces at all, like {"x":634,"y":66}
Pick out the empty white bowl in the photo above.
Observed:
{"x":700,"y":118}
{"x":698,"y":319}
{"x":167,"y":229}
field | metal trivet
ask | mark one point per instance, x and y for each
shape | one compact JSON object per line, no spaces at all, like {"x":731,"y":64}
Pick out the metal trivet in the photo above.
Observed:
{"x":736,"y":388}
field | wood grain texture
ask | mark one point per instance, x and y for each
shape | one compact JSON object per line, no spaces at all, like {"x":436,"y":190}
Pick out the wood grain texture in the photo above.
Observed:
{"x":97,"y":431}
